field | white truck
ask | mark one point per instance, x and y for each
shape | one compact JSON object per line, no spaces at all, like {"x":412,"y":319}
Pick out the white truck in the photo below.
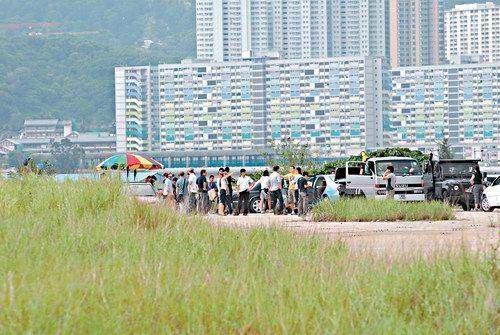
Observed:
{"x":364,"y":179}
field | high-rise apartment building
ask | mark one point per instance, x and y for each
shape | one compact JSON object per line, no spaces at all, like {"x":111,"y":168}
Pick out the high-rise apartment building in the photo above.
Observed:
{"x":227,"y":28}
{"x":332,"y":104}
{"x":473,"y":29}
{"x":458,"y":101}
{"x":356,"y":27}
{"x":415,"y":32}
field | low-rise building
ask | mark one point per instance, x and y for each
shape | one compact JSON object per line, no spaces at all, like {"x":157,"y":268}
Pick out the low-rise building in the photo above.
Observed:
{"x":46,"y":128}
{"x":90,"y":142}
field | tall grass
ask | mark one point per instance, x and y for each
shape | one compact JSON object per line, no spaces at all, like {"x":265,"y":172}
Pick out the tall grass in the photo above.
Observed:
{"x":82,"y":258}
{"x":366,"y":210}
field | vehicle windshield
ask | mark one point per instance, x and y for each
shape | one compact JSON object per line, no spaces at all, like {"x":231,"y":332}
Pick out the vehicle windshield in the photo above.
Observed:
{"x":141,"y":190}
{"x":401,"y":167}
{"x":457,"y":169}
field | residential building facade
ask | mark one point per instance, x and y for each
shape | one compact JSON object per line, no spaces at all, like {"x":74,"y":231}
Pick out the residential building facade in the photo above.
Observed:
{"x":415,"y":32}
{"x":226,"y":29}
{"x":332,"y":104}
{"x":473,"y":29}
{"x":356,"y":28}
{"x":460,"y":102}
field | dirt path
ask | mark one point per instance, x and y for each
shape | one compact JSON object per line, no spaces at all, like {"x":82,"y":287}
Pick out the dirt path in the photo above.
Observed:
{"x":475,"y":231}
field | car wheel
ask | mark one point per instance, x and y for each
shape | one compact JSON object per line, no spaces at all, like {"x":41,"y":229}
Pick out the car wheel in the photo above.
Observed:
{"x":254,"y":205}
{"x":465,"y":206}
{"x":485,"y":205}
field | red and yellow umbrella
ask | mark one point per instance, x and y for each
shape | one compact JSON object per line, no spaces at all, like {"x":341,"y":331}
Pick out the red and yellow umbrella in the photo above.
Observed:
{"x":130,"y":162}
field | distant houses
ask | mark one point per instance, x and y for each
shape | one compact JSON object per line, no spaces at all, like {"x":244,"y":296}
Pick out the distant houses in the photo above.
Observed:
{"x":38,"y":137}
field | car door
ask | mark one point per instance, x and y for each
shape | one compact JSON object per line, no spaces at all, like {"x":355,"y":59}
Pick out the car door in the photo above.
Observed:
{"x":319,"y":188}
{"x":359,"y":177}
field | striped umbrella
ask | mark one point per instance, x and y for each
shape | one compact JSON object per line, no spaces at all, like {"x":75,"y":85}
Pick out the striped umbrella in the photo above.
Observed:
{"x":129,"y":161}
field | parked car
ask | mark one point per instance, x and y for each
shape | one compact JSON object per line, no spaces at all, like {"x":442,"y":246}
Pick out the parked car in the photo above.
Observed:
{"x":491,"y":196}
{"x":254,"y":199}
{"x":142,"y":192}
{"x":448,"y":180}
{"x":324,"y":187}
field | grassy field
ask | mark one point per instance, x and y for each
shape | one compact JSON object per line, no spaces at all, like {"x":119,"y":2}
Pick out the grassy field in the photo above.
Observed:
{"x":367,"y":210}
{"x":81,"y":258}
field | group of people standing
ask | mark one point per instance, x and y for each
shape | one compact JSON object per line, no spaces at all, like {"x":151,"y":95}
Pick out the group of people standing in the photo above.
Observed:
{"x":191,"y":193}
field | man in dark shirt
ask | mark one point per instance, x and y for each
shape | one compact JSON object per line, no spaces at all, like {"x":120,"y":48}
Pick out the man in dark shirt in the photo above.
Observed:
{"x":302,"y":186}
{"x":229,"y":196}
{"x":477,"y":187}
{"x":203,"y":202}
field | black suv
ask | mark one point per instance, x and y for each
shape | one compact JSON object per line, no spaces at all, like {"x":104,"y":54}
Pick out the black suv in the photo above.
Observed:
{"x":448,"y":180}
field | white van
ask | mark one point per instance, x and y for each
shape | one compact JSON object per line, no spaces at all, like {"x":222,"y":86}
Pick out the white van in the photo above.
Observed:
{"x":365,"y":178}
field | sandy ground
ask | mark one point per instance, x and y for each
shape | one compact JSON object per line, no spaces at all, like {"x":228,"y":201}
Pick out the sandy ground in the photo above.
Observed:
{"x":476,"y":231}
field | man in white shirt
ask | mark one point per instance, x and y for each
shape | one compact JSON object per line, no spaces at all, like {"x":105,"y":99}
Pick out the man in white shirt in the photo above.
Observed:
{"x":275,"y":189}
{"x":244,"y":185}
{"x":265,"y":200}
{"x":192,"y":190}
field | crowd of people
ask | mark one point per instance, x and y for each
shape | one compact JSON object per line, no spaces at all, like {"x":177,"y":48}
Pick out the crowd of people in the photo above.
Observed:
{"x":279,"y":194}
{"x":202,"y":193}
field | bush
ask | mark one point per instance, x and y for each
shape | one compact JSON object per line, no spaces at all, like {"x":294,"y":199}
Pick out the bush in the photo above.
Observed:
{"x":366,"y":210}
{"x":83,"y":258}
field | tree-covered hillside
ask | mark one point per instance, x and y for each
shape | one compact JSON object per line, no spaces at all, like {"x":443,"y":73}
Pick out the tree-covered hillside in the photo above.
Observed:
{"x":119,"y":22}
{"x":65,"y":68}
{"x":57,"y":73}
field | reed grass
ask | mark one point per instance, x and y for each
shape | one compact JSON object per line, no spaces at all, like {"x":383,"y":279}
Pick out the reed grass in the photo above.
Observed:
{"x":82,"y":258}
{"x":367,"y":210}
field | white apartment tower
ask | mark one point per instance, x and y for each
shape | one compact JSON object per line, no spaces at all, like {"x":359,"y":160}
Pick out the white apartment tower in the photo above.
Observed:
{"x":473,"y":29}
{"x":356,"y":27}
{"x":294,"y":28}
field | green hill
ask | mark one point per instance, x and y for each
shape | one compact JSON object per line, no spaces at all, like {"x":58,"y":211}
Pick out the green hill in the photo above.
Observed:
{"x":65,"y":69}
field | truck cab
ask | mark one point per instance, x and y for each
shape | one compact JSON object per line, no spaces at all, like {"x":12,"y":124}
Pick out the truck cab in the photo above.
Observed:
{"x":365,"y":178}
{"x":448,"y":180}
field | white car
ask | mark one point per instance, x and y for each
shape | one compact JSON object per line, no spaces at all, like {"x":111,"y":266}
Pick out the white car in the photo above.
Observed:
{"x":491,"y":196}
{"x":142,"y":192}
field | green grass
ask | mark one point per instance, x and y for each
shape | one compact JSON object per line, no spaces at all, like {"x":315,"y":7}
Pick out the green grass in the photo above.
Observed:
{"x":80,"y":258}
{"x":367,"y":210}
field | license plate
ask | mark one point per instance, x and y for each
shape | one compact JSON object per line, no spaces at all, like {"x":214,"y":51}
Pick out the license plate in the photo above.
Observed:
{"x":402,"y":196}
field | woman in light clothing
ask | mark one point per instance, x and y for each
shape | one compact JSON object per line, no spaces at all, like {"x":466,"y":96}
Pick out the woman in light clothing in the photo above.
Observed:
{"x":168,"y":191}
